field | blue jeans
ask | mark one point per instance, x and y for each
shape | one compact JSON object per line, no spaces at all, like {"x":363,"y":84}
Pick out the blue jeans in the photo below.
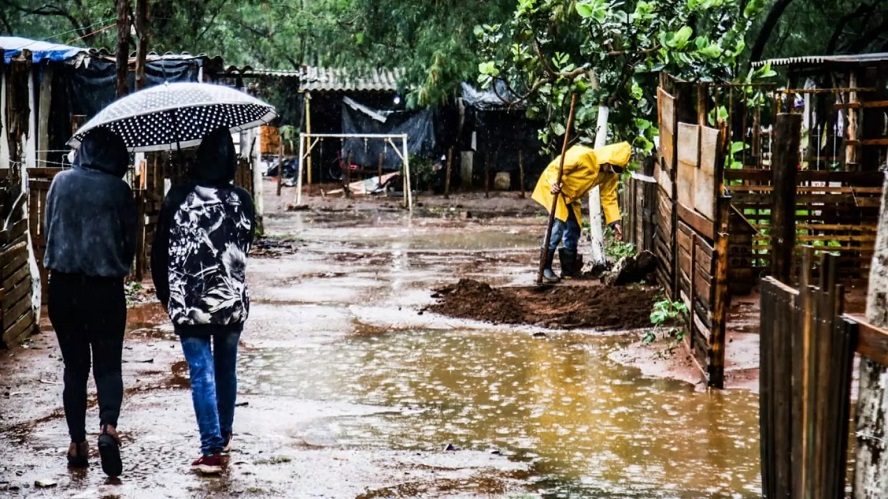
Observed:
{"x":567,"y":233}
{"x":213,"y":385}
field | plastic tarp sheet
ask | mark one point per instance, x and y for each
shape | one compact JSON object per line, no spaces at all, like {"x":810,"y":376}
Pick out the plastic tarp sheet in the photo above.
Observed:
{"x":92,"y":86}
{"x":359,"y":119}
{"x":12,"y":46}
{"x":490,"y":99}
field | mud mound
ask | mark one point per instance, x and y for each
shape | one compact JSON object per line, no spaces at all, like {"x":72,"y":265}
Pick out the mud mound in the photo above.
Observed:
{"x":471,"y":299}
{"x":559,"y":307}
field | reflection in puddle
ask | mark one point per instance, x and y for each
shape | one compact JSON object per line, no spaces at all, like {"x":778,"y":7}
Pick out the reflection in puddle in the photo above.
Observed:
{"x":587,"y":425}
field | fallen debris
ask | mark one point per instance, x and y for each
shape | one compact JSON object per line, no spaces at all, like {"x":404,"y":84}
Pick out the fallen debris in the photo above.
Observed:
{"x":267,"y":247}
{"x":631,"y":270}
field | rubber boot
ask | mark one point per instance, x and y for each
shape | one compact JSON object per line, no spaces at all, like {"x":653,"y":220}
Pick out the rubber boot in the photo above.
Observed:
{"x":548,"y":275}
{"x":568,"y":259}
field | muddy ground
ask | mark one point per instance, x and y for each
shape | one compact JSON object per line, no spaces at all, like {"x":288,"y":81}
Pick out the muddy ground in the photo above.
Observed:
{"x":571,"y":305}
{"x":347,"y":388}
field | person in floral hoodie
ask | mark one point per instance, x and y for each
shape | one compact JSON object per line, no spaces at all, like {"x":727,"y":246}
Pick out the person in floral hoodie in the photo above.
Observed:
{"x":198,"y":263}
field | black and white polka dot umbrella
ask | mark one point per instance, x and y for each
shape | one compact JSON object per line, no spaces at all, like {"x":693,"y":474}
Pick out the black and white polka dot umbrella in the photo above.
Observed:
{"x":177,"y":115}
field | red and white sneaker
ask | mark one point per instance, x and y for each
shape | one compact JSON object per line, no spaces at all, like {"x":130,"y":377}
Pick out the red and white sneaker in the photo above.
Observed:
{"x":208,"y":465}
{"x":226,"y":447}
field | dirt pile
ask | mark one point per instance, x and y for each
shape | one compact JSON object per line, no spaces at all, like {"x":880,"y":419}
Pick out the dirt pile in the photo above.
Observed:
{"x":559,"y":307}
{"x":472,"y":299}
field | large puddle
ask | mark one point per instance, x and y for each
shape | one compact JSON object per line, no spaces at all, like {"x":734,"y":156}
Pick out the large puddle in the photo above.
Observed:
{"x":586,"y":425}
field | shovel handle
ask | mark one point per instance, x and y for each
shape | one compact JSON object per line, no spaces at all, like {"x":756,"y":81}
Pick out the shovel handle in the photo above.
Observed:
{"x":544,"y":255}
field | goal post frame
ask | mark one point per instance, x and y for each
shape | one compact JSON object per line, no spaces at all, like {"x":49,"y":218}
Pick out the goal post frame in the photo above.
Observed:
{"x":311,"y":140}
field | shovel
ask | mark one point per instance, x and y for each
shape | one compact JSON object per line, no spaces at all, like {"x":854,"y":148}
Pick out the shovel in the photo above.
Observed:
{"x":545,"y":253}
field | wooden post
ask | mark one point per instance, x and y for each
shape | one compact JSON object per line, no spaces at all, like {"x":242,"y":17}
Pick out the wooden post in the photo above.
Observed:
{"x":721,"y":297}
{"x":123,"y":31}
{"x":406,"y":155}
{"x":308,"y":132}
{"x":379,"y":168}
{"x":43,"y":118}
{"x":302,"y":139}
{"x":142,"y":50}
{"x":447,"y":178}
{"x":787,"y":133}
{"x":521,"y":170}
{"x":346,"y":176}
{"x":851,"y":120}
{"x":280,"y":169}
{"x":487,"y":175}
{"x":871,"y":463}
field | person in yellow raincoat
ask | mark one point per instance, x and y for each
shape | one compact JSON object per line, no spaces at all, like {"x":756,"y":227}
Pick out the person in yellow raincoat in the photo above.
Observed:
{"x":584,"y":169}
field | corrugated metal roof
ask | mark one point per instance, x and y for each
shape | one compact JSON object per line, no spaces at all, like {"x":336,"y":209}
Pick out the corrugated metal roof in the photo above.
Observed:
{"x":339,"y":80}
{"x":812,"y":60}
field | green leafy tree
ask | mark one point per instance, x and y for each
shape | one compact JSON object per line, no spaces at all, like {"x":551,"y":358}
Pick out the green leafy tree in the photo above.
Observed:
{"x":609,"y":52}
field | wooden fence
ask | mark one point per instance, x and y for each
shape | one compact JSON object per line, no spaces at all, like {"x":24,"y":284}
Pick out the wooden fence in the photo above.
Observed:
{"x":16,"y":306}
{"x":806,"y":353}
{"x":691,"y":237}
{"x":735,"y":200}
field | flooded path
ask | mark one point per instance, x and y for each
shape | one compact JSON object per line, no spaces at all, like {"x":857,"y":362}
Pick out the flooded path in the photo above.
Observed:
{"x":349,"y":392}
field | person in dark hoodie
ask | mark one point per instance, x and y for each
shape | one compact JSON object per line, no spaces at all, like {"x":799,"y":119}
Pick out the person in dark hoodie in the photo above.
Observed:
{"x":90,"y":229}
{"x":198,"y":262}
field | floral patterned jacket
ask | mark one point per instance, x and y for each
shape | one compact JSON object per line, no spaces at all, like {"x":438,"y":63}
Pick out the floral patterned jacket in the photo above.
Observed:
{"x":199,"y":256}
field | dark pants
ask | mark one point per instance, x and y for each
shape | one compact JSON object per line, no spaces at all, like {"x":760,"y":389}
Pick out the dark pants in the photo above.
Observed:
{"x":89,"y":313}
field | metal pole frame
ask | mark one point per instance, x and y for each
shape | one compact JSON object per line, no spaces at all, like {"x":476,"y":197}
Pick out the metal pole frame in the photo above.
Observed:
{"x":306,"y":138}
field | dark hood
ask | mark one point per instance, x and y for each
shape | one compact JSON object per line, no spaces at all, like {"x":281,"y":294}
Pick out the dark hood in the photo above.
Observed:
{"x":216,"y":160}
{"x":103,"y":150}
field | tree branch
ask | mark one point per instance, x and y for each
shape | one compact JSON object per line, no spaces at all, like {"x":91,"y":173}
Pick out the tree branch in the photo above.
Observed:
{"x":765,"y":33}
{"x":861,"y":10}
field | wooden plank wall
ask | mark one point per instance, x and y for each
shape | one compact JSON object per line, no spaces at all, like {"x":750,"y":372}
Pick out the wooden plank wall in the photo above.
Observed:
{"x":836,"y":210}
{"x":638,"y":205}
{"x":17,"y":316}
{"x":692,"y":219}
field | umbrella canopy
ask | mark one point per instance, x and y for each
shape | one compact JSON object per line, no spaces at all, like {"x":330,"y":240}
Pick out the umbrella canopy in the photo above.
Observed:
{"x":177,"y":114}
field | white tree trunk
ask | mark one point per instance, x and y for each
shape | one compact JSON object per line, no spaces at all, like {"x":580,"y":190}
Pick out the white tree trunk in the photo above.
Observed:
{"x":595,"y":221}
{"x":871,"y":468}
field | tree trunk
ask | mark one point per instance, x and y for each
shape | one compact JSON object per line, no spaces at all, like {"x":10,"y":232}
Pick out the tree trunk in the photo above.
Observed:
{"x":123,"y":27}
{"x":871,"y":467}
{"x":595,"y":222}
{"x":768,"y":27}
{"x":142,"y":31}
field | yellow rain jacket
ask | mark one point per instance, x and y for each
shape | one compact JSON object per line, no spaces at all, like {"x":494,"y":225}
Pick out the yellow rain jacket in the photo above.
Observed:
{"x":581,"y":175}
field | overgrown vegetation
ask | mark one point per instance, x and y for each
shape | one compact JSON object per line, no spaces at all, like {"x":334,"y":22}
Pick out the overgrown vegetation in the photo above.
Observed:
{"x":671,"y":317}
{"x":616,"y":48}
{"x":614,"y":249}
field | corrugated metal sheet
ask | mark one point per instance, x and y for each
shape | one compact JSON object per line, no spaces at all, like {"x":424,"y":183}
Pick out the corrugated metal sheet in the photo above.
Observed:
{"x":813,"y":60}
{"x":339,"y":80}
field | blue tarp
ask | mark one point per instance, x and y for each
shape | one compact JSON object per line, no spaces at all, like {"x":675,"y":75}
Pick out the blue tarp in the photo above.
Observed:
{"x":40,"y":51}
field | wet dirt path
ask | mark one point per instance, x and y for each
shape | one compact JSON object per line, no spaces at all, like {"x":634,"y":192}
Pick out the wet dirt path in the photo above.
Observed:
{"x":350,"y":392}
